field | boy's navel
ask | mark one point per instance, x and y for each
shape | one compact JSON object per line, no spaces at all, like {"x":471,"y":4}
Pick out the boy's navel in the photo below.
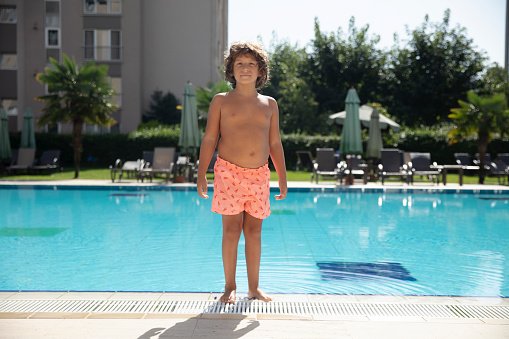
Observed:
{"x":251,"y":153}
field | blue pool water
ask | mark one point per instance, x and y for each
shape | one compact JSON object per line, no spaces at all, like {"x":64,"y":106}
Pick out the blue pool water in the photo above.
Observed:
{"x":71,"y":239}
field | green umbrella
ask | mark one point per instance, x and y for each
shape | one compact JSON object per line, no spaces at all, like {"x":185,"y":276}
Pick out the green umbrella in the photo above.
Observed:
{"x":28,"y":133}
{"x":190,"y":135}
{"x":5,"y":143}
{"x":351,"y":142}
{"x":374,"y":148}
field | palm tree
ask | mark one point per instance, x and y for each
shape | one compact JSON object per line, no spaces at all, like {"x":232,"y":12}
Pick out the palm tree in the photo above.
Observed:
{"x":79,"y":94}
{"x":481,"y":116}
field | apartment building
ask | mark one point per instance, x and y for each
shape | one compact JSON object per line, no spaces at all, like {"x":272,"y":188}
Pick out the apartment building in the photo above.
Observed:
{"x":148,"y":45}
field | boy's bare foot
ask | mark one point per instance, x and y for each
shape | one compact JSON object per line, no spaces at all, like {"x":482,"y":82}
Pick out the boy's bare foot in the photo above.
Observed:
{"x":228,"y":297}
{"x":259,"y":294}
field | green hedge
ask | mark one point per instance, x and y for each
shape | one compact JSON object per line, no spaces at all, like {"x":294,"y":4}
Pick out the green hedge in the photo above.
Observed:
{"x":106,"y":148}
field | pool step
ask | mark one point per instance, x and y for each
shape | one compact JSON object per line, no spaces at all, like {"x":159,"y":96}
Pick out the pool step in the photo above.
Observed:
{"x":275,"y":309}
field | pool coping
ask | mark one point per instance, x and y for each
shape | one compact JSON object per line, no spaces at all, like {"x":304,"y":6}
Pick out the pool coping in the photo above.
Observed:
{"x":372,"y":307}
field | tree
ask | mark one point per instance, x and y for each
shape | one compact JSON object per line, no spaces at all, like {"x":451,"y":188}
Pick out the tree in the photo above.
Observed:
{"x":204,"y":96}
{"x":78,"y":94}
{"x":298,"y":110}
{"x":437,"y":66}
{"x":163,"y":108}
{"x":494,"y":81}
{"x":337,"y":62}
{"x":481,"y":116}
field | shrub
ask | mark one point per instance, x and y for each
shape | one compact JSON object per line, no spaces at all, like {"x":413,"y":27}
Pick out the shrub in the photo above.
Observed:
{"x":106,"y":148}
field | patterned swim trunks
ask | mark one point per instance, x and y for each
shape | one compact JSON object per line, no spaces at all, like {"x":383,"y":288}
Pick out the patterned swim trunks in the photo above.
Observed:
{"x":238,"y":189}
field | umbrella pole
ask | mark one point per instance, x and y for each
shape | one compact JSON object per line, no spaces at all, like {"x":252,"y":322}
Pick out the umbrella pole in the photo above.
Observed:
{"x":351,"y":170}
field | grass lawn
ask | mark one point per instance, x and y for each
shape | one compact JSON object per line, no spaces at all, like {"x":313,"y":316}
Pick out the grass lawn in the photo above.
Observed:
{"x":104,"y":174}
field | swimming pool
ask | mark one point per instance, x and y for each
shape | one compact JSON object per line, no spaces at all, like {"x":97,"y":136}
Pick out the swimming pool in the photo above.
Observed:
{"x":395,"y":242}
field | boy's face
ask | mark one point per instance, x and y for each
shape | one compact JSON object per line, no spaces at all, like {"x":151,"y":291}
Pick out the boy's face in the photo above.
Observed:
{"x":246,"y":69}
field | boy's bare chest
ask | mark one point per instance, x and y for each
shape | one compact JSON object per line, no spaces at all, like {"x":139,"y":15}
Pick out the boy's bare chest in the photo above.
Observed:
{"x":258,"y":111}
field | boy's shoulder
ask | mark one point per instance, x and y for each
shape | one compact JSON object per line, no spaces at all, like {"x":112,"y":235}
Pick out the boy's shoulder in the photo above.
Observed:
{"x":221,"y":95}
{"x":267,"y":98}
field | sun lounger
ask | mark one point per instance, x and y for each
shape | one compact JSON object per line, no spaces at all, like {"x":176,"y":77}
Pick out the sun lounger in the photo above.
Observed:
{"x":164,"y":161}
{"x":50,"y":160}
{"x":148,"y":158}
{"x":305,"y":160}
{"x":500,"y":169}
{"x":325,"y":164}
{"x":420,"y":166}
{"x":24,"y":161}
{"x":504,"y":157}
{"x":131,"y":168}
{"x":391,"y":165}
{"x":487,"y":161}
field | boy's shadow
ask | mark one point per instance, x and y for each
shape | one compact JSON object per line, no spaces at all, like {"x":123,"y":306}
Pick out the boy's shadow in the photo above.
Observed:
{"x":209,"y":327}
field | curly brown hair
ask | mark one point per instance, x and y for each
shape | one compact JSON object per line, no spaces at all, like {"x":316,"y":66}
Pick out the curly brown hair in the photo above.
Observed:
{"x":256,"y":51}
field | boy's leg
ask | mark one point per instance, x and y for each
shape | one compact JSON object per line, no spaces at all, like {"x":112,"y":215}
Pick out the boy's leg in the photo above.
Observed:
{"x":253,"y":236}
{"x":232,"y":228}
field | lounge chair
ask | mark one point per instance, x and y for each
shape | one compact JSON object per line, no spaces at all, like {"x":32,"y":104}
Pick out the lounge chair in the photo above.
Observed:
{"x":24,"y":160}
{"x":487,"y":161}
{"x":304,"y":160}
{"x":325,"y":164}
{"x":462,"y":159}
{"x":391,"y":165}
{"x":500,"y":169}
{"x":420,"y":166}
{"x":164,"y":161}
{"x":148,"y":158}
{"x":131,"y":168}
{"x":49,"y":160}
{"x":504,"y":157}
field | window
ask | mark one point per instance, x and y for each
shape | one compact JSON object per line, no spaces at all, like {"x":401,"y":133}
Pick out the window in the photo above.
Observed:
{"x":8,"y":14}
{"x":52,"y":53}
{"x":52,"y":14}
{"x":53,"y":127}
{"x":103,"y":45}
{"x":52,"y":21}
{"x":10,"y":106}
{"x":116,"y":84}
{"x":8,"y":61}
{"x":95,"y":129}
{"x":52,"y":38}
{"x":102,"y":6}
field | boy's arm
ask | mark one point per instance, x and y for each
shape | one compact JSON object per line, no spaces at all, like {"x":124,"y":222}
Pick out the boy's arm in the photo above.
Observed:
{"x":276,"y":150}
{"x":208,"y":144}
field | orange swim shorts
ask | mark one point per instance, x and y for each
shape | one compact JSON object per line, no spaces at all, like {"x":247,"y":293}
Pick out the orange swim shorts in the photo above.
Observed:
{"x":238,"y":189}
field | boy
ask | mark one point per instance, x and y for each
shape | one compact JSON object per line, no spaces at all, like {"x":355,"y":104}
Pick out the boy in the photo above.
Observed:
{"x":249,"y":127}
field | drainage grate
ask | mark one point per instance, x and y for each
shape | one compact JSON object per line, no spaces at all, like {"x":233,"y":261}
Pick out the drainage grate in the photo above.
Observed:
{"x":255,"y":307}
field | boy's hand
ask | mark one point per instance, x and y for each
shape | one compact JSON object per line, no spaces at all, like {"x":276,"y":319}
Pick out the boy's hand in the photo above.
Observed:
{"x":283,"y":190}
{"x":201,"y":186}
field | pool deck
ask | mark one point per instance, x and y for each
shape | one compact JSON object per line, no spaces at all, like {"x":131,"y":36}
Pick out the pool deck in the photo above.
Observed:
{"x":381,"y":317}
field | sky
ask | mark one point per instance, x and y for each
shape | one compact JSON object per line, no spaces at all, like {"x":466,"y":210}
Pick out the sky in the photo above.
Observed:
{"x":293,"y":20}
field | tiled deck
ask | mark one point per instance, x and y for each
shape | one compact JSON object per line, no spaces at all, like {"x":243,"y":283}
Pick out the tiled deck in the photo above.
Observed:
{"x":249,"y":324}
